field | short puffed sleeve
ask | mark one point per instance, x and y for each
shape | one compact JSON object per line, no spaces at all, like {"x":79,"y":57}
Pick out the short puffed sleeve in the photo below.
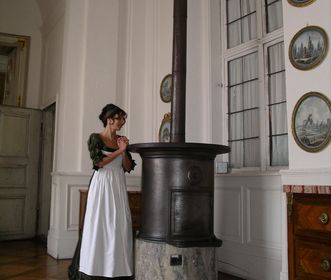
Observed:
{"x":133,"y":162}
{"x":95,"y":146}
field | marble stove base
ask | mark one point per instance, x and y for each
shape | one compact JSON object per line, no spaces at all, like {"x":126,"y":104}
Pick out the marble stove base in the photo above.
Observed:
{"x":153,"y":262}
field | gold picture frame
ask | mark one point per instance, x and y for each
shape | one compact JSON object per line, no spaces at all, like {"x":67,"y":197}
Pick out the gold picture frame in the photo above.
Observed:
{"x":308,"y":48}
{"x":164,"y":131}
{"x":300,"y":3}
{"x":311,"y":122}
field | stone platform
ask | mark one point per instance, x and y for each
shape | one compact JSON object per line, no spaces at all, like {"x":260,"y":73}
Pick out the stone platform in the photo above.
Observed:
{"x":161,"y":261}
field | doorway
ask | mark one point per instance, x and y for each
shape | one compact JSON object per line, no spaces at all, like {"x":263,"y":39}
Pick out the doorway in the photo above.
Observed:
{"x":26,"y":148}
{"x":46,"y":167}
{"x":19,"y":161}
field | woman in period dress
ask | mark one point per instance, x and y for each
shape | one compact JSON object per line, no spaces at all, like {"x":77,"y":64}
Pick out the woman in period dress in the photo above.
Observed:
{"x":104,"y":250}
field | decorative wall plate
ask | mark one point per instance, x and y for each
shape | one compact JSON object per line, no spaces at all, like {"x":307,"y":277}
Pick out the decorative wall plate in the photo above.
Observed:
{"x":308,"y":47}
{"x":300,"y":3}
{"x":164,"y":131}
{"x":311,"y":122}
{"x":165,"y":88}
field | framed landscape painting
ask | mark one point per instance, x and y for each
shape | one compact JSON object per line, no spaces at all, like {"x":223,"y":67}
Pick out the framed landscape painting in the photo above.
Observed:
{"x":300,"y":3}
{"x":308,"y":47}
{"x":311,"y":122}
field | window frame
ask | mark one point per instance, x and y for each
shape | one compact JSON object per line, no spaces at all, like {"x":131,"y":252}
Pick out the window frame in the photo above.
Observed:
{"x":260,"y":44}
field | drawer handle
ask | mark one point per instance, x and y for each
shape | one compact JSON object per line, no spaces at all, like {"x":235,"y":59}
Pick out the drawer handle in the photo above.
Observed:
{"x":324,"y":218}
{"x":326,"y":265}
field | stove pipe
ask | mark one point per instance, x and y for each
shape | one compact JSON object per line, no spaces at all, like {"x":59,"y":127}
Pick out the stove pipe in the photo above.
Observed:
{"x":177,"y":182}
{"x":177,"y":134}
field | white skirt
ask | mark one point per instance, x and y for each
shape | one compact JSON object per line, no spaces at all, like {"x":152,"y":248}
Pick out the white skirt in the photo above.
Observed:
{"x":106,"y":248}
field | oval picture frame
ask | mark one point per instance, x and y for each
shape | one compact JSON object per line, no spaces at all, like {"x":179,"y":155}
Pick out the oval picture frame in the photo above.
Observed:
{"x":164,"y":131}
{"x":166,"y":88}
{"x":308,"y":47}
{"x":300,"y":3}
{"x":311,"y":122}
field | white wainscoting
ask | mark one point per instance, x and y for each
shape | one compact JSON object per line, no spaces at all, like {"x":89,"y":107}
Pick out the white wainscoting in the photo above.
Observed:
{"x":63,"y":232}
{"x":64,"y":220}
{"x":248,"y":219}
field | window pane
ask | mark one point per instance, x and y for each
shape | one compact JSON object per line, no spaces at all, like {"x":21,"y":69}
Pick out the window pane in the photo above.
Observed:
{"x":276,"y":58}
{"x":277,"y":90}
{"x":251,"y":123}
{"x":249,"y":29}
{"x":247,"y":7}
{"x":236,"y":154}
{"x":252,"y":153}
{"x":279,"y":151}
{"x":244,"y":95}
{"x":251,"y":94}
{"x":277,"y":106}
{"x":241,"y":21}
{"x":250,"y":66}
{"x":278,"y":119}
{"x":235,"y":71}
{"x":236,"y":126}
{"x":233,"y":9}
{"x":234,"y":34}
{"x":235,"y":98}
{"x":275,"y":16}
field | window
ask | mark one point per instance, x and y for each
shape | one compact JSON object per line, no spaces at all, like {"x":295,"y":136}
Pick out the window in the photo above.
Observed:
{"x":241,"y":21}
{"x":255,"y":83}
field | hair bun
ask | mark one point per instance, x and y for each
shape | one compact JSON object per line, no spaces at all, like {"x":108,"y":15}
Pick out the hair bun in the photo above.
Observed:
{"x":109,"y":111}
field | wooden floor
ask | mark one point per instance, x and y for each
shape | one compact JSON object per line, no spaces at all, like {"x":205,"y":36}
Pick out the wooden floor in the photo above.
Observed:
{"x":28,"y":260}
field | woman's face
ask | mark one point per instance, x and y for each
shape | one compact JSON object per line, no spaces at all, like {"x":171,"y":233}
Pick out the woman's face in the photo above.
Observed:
{"x":117,"y":121}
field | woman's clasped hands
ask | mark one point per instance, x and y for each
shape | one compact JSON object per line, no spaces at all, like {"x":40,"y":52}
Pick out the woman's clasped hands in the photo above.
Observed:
{"x":122,"y":143}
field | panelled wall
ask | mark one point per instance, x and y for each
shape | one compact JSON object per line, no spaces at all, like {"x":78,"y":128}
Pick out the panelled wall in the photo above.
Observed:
{"x":119,"y":51}
{"x":250,"y":207}
{"x":248,"y":220}
{"x":305,"y":168}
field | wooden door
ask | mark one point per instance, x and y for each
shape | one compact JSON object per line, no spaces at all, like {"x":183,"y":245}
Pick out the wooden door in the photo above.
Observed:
{"x":19,"y":157}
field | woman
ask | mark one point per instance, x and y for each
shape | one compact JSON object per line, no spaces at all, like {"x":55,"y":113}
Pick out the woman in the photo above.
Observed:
{"x":104,"y":250}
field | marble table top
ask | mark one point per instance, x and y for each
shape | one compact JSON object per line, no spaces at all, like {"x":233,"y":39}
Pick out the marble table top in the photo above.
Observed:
{"x":313,"y":189}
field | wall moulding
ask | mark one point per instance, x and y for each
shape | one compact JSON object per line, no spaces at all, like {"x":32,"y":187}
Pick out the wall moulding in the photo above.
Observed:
{"x":320,"y":176}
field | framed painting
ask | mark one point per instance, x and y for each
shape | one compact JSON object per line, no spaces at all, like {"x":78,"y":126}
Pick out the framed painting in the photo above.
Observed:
{"x":164,"y":131}
{"x":308,"y":47}
{"x":300,"y":3}
{"x":311,"y":122}
{"x":166,"y":88}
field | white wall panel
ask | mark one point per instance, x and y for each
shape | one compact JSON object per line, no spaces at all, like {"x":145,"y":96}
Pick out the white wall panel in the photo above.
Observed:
{"x":300,"y":82}
{"x":263,"y":216}
{"x":63,"y":233}
{"x":228,"y":214}
{"x":248,"y":221}
{"x":52,"y":63}
{"x":73,"y":199}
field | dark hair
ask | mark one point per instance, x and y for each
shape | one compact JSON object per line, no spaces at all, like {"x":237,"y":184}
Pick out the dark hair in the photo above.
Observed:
{"x":109,"y":111}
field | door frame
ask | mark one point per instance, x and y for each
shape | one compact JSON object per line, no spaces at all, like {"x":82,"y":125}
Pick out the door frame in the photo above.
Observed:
{"x":46,"y":167}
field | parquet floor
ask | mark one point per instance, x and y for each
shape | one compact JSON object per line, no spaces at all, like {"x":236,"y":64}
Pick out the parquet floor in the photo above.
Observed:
{"x":28,"y":260}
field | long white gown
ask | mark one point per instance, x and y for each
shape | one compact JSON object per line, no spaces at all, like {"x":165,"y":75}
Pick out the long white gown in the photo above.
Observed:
{"x":106,"y":248}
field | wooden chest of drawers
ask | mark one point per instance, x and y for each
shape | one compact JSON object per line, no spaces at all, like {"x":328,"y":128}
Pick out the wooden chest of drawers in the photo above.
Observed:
{"x":309,"y":236}
{"x":134,"y":203}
